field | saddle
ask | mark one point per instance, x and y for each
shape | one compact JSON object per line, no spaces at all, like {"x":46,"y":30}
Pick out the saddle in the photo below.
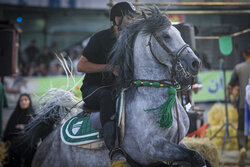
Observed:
{"x":95,"y":120}
{"x":85,"y":129}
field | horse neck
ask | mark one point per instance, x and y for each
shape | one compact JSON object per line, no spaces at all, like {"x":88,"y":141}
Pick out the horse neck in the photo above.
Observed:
{"x":145,"y":65}
{"x":139,"y":122}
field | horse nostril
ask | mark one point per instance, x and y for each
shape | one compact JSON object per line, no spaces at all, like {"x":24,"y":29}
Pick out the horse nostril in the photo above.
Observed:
{"x":196,"y":65}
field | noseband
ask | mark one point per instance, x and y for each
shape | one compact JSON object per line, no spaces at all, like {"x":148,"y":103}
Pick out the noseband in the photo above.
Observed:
{"x":177,"y":67}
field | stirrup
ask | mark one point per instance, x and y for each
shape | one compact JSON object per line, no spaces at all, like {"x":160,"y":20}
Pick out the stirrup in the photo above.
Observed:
{"x":118,"y":163}
{"x":116,"y":150}
{"x":118,"y":158}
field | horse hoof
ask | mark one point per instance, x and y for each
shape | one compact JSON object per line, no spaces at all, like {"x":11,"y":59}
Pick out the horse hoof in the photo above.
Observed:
{"x":118,"y":163}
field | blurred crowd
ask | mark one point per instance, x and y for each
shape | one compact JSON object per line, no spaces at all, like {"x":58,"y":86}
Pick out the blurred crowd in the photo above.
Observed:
{"x":34,"y":62}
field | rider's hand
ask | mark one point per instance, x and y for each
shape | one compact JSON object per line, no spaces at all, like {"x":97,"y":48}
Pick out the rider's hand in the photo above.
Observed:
{"x":115,"y":71}
{"x":20,"y":126}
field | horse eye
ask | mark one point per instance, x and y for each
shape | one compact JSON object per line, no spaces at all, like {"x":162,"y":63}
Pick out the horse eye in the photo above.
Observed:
{"x":166,"y":36}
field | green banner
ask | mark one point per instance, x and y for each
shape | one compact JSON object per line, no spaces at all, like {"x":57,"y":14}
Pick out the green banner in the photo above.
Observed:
{"x":226,"y":45}
{"x":213,"y":86}
{"x":212,"y":82}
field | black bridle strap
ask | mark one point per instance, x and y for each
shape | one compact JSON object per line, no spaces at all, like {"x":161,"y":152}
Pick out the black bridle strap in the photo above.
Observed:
{"x":157,"y":38}
{"x":150,"y":47}
{"x":181,"y":50}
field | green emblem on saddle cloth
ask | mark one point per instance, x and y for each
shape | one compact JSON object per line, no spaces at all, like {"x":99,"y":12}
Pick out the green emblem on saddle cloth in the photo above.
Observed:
{"x":78,"y":131}
{"x":165,"y":114}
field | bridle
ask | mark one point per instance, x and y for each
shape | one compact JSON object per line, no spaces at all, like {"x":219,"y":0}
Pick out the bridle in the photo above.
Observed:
{"x":177,"y":68}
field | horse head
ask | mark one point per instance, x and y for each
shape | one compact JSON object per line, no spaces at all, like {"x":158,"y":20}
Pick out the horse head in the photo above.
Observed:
{"x":163,"y":43}
{"x":175,"y":54}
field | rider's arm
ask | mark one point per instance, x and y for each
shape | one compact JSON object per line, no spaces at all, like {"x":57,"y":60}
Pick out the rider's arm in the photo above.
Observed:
{"x":88,"y":67}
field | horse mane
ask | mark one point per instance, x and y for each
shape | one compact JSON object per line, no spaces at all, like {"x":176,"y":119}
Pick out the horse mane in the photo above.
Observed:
{"x":122,"y":52}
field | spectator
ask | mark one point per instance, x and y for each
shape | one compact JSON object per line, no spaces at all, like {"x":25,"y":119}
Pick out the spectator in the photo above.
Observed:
{"x":53,"y":47}
{"x":42,"y":69}
{"x":45,"y":57}
{"x":33,"y":70}
{"x":18,"y":150}
{"x":54,"y":70}
{"x":3,"y":103}
{"x":22,"y":65}
{"x":240,"y":77}
{"x":32,"y":52}
{"x":247,"y":110}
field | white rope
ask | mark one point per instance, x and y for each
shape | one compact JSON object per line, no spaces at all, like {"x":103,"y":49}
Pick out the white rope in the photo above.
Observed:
{"x":63,"y":98}
{"x":62,"y":64}
{"x":71,"y":70}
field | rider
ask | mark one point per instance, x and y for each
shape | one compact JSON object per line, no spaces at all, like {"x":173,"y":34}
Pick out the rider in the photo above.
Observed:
{"x":97,"y":85}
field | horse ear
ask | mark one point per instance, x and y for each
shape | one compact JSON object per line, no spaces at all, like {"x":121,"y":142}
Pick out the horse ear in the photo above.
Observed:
{"x":144,"y":15}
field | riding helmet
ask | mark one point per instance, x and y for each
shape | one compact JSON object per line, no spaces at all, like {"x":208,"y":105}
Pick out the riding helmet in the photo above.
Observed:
{"x":122,"y":9}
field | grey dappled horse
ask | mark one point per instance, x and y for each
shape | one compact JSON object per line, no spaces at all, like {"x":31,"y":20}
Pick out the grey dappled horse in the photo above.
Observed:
{"x":148,"y":49}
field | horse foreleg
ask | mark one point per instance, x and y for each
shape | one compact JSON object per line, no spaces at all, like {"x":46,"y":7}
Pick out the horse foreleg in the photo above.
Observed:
{"x":165,"y":151}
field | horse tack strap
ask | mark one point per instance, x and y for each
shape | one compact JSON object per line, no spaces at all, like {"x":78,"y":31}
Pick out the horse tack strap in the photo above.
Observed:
{"x":178,"y":123}
{"x":162,"y":44}
{"x":151,"y":50}
{"x":157,"y":38}
{"x":157,"y":83}
{"x":177,"y":66}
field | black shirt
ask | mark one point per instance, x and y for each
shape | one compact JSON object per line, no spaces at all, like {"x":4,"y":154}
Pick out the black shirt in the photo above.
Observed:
{"x":97,"y":51}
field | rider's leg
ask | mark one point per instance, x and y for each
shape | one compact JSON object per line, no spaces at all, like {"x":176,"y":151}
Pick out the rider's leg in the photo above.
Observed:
{"x":103,"y":100}
{"x":107,"y":109}
{"x":109,"y":134}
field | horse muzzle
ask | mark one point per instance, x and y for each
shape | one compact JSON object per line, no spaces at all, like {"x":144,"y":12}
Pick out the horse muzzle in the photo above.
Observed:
{"x":185,"y":76}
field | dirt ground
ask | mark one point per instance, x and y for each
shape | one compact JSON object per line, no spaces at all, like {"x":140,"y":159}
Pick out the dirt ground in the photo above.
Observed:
{"x":230,"y":159}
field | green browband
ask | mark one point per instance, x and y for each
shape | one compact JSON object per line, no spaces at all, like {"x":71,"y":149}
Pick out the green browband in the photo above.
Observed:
{"x":165,"y":114}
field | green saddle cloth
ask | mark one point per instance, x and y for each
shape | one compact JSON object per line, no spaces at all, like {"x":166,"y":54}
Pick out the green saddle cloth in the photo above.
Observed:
{"x":78,"y":131}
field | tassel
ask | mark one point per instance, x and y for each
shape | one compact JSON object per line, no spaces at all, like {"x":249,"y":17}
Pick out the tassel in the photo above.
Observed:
{"x":166,"y":118}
